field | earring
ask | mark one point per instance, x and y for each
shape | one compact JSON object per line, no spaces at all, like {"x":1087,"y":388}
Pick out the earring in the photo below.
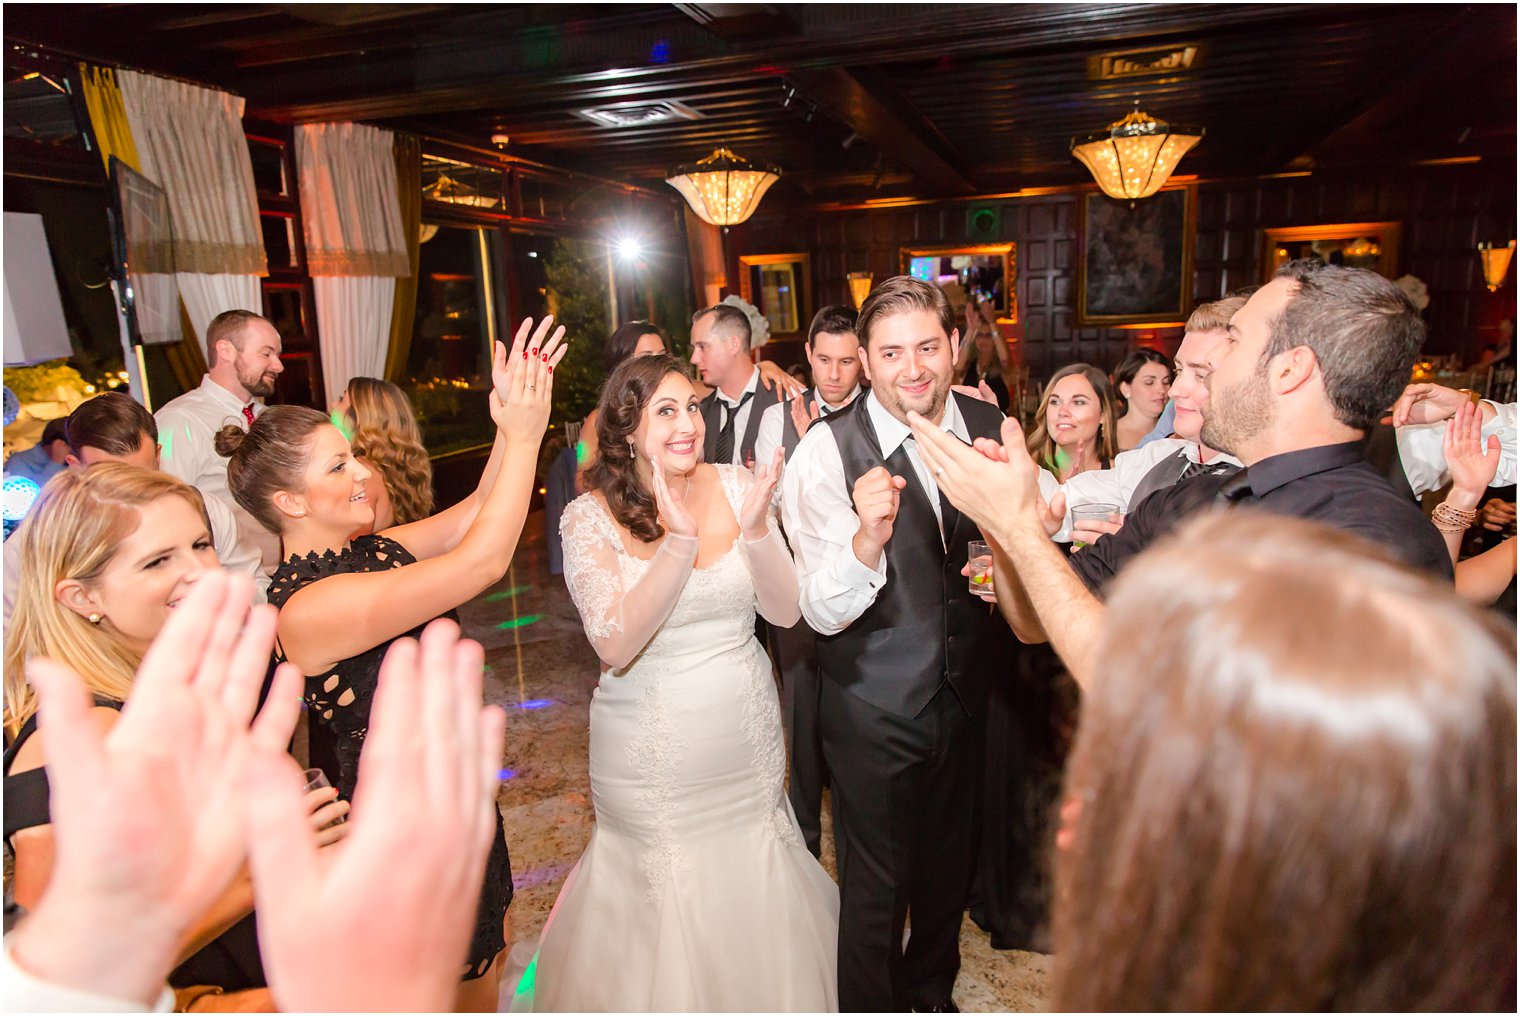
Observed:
{"x":97,"y":618}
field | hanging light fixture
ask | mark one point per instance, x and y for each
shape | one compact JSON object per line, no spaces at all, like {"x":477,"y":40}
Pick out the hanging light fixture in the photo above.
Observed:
{"x":1495,"y":263}
{"x":723,"y":189}
{"x":1133,"y":158}
{"x":860,"y":287}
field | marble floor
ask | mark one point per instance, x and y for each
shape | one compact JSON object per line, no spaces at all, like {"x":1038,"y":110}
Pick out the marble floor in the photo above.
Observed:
{"x":540,"y":667}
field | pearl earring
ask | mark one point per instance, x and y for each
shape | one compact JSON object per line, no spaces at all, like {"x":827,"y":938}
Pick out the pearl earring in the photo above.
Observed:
{"x":97,"y":618}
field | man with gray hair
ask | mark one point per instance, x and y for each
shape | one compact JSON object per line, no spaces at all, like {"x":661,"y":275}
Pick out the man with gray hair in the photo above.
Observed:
{"x":720,"y":338}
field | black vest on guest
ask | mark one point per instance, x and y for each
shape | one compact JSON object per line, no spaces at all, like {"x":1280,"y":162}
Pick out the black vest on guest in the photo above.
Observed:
{"x":925,"y":627}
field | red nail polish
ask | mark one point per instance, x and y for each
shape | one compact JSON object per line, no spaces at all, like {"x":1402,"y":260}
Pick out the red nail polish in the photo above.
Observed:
{"x":535,"y":350}
{"x":551,"y":370}
{"x":525,"y":354}
{"x":546,"y":357}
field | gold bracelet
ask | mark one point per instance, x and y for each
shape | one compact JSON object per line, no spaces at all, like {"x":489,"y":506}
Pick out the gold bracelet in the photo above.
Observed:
{"x":1449,"y":519}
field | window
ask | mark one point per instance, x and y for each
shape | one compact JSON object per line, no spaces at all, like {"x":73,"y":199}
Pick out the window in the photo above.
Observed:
{"x":448,"y":373}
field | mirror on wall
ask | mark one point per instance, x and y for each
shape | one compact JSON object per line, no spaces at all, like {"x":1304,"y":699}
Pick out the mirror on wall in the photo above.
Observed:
{"x":1370,"y":245}
{"x":781,"y":286}
{"x":984,"y":272}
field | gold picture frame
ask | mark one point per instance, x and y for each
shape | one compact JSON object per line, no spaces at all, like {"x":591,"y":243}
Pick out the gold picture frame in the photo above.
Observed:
{"x":1006,"y":302}
{"x":781,"y":288}
{"x":1373,"y":245}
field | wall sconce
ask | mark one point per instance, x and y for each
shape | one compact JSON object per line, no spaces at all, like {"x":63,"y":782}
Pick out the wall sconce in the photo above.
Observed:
{"x":1495,"y":263}
{"x":860,"y":287}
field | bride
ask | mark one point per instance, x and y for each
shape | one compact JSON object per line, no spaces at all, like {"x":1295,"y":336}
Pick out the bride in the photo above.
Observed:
{"x":696,"y":892}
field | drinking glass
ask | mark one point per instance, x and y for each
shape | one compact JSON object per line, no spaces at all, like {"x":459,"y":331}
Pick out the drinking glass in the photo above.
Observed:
{"x":316,"y":779}
{"x":979,"y":556}
{"x":1094,"y":511}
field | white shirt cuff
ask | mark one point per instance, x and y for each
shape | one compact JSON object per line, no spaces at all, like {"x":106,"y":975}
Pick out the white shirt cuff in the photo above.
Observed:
{"x":25,"y":992}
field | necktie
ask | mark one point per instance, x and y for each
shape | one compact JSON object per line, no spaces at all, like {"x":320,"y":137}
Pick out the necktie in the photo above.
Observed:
{"x":1237,"y":488}
{"x":248,"y":413}
{"x":725,"y":449}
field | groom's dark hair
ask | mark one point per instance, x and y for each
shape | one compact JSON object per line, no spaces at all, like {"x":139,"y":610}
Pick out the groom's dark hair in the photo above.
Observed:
{"x":902,"y":294}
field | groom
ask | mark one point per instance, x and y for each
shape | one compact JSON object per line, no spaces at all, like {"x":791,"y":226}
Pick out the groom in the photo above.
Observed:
{"x":879,"y":556}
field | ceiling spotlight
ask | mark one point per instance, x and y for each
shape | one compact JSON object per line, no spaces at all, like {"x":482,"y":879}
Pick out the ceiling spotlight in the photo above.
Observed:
{"x":629,"y":248}
{"x":501,"y":140}
{"x":812,"y":111}
{"x":790,"y":96}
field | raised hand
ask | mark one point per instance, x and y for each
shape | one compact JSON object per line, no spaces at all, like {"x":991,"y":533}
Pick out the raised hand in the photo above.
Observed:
{"x":779,"y":381}
{"x":1472,"y":467}
{"x":671,"y":506}
{"x":385,"y":923}
{"x":522,"y":380}
{"x":1427,"y":403}
{"x":754,"y":513}
{"x":995,"y":492}
{"x":804,"y":414}
{"x":877,"y":496}
{"x":981,"y":391}
{"x":148,"y":817}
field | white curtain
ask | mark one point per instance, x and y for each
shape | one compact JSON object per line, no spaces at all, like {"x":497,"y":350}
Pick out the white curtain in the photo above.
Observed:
{"x":355,"y":245}
{"x":354,"y":322}
{"x":206,"y":296}
{"x":350,"y":209}
{"x":190,"y":142}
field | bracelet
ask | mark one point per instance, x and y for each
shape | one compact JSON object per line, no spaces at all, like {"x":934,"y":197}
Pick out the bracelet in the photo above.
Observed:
{"x":1453,"y":520}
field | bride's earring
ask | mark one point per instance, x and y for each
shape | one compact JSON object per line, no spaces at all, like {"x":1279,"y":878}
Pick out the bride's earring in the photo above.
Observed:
{"x":97,"y":618}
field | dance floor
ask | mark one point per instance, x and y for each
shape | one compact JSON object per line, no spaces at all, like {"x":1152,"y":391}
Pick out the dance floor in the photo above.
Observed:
{"x":540,"y":667}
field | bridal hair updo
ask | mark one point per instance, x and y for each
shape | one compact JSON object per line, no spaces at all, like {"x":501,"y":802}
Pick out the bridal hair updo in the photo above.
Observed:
{"x":1300,"y":797}
{"x":270,"y":456}
{"x":624,"y":398}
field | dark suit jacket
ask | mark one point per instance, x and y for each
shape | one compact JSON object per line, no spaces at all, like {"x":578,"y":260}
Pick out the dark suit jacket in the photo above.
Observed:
{"x":713,"y":418}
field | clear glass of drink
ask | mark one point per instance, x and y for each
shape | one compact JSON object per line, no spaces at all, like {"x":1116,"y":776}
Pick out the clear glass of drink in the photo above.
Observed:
{"x":1093,"y":511}
{"x":979,"y":557}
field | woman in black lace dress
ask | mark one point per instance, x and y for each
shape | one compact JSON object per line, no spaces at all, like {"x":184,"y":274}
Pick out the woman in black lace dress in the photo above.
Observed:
{"x":342,"y":602}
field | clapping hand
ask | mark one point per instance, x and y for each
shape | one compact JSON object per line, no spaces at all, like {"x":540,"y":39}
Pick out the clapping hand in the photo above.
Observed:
{"x":1472,"y":467}
{"x":522,"y":379}
{"x":996,"y":489}
{"x":148,"y":817}
{"x":754,"y":513}
{"x":384,"y":924}
{"x":804,"y":414}
{"x":779,"y":381}
{"x":982,"y":391}
{"x":1427,"y":403}
{"x":671,"y":506}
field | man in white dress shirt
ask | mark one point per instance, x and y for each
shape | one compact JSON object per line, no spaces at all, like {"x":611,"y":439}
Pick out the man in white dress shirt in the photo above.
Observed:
{"x":833,"y":354}
{"x":243,"y":353}
{"x":720,"y":338}
{"x":879,"y":556}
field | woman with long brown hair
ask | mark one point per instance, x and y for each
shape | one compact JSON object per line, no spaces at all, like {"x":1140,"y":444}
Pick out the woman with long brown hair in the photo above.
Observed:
{"x":1299,"y":796}
{"x":696,"y":886}
{"x":343,"y":600}
{"x":379,"y":422}
{"x":1074,"y":429}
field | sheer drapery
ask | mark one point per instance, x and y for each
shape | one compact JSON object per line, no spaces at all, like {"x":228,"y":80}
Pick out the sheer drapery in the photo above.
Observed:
{"x":206,"y":296}
{"x":190,"y":142}
{"x":354,"y":323}
{"x":349,"y":200}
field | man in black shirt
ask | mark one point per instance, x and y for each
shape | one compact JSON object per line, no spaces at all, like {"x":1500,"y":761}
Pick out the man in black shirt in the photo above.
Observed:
{"x":1315,"y":358}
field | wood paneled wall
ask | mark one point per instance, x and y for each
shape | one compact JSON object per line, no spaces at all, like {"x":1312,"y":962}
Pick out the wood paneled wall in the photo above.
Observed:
{"x":1445,"y":212}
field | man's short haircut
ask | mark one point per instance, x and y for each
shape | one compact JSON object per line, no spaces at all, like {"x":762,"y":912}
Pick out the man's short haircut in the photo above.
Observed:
{"x":229,"y":325}
{"x":729,"y":322}
{"x":55,"y":430}
{"x":1214,"y":316}
{"x":835,"y":319}
{"x":903,"y":294}
{"x":113,"y":422}
{"x":1361,"y":328}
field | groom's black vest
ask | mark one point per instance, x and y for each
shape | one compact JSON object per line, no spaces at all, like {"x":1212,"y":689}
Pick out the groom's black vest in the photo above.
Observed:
{"x":925,"y":627}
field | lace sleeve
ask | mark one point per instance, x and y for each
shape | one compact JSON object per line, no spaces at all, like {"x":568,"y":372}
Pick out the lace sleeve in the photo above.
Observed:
{"x":777,"y":594}
{"x":619,"y":622}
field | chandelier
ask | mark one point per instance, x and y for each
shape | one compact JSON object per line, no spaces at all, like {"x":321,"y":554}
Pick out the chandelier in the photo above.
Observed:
{"x":1133,"y":157}
{"x":723,"y":189}
{"x":1495,"y":263}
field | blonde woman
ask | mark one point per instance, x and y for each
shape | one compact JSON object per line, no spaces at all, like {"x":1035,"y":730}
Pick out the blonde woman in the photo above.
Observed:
{"x":106,"y":554}
{"x":379,"y":422}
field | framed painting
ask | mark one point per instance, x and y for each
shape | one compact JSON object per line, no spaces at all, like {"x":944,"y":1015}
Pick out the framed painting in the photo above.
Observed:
{"x":1136,"y":264}
{"x":781,"y":286}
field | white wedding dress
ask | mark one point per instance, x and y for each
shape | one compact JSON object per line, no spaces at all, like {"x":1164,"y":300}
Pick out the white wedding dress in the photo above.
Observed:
{"x":696,"y":892}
